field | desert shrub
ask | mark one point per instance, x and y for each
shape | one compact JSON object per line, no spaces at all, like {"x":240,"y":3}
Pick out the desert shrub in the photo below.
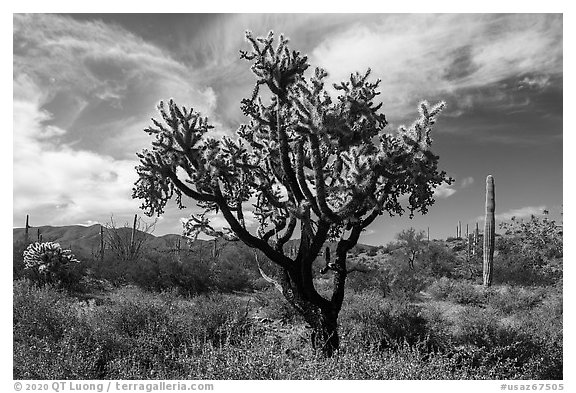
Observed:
{"x":484,"y":339}
{"x":441,"y":289}
{"x":229,"y":275}
{"x":372,"y":252}
{"x":458,"y":291}
{"x":463,"y":292}
{"x":374,"y":279}
{"x":38,"y":311}
{"x":134,"y":334}
{"x":18,"y":267}
{"x":438,"y":261}
{"x":190,"y":275}
{"x":530,"y":252}
{"x":402,"y":281}
{"x":273,"y":305}
{"x":514,"y":269}
{"x":510,"y":299}
{"x":481,"y":327}
{"x":370,"y":320}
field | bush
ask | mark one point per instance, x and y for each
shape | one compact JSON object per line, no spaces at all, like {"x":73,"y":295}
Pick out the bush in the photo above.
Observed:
{"x":375,"y":279}
{"x":134,"y":334}
{"x":463,"y":292}
{"x":441,"y":289}
{"x":369,"y":320}
{"x":531,"y":251}
{"x":526,"y":344}
{"x":18,"y":267}
{"x":511,"y":299}
{"x":274,"y":306}
{"x":38,"y":311}
{"x":438,"y":261}
{"x":189,"y":275}
{"x":402,"y":281}
{"x":458,"y":291}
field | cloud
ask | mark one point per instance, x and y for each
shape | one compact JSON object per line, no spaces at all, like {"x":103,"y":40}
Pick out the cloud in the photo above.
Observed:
{"x":522,"y":212}
{"x":433,"y":55}
{"x":83,"y":93}
{"x":444,"y":191}
{"x":466,"y":182}
{"x":536,"y":82}
{"x":100,"y":82}
{"x":55,"y":183}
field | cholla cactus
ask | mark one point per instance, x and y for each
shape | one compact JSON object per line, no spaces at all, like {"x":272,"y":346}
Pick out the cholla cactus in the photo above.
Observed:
{"x":47,"y":258}
{"x":306,"y":158}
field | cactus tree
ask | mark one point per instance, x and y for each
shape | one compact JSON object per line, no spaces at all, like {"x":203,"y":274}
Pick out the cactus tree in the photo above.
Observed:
{"x":306,"y":158}
{"x":489,"y":231}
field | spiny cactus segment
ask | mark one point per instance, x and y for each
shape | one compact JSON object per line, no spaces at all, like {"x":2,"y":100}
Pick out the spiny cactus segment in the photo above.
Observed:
{"x":47,"y":257}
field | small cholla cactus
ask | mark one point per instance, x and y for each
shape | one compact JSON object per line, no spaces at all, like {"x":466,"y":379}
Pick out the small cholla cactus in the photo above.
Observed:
{"x":47,"y":258}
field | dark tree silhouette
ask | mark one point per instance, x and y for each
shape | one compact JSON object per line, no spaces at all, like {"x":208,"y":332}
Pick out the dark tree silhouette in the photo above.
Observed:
{"x":306,"y":158}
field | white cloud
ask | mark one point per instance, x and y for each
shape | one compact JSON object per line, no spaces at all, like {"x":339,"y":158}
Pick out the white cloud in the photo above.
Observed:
{"x":466,"y":182}
{"x":536,"y":82}
{"x":99,"y":66}
{"x":522,"y":212}
{"x":59,"y":184}
{"x":418,"y":56}
{"x":82,"y":169}
{"x":444,"y":191}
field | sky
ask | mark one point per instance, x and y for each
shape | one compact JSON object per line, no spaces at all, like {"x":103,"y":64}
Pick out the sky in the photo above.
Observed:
{"x":86,"y":85}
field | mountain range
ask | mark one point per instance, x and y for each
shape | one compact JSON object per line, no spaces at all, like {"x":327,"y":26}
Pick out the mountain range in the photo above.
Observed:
{"x":85,"y":240}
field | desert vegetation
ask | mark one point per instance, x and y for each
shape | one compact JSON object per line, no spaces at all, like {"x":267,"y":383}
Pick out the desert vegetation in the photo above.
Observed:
{"x":297,"y":298}
{"x":157,"y":319}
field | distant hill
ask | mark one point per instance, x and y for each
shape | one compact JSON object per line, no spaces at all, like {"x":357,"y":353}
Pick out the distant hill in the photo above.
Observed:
{"x":85,"y":240}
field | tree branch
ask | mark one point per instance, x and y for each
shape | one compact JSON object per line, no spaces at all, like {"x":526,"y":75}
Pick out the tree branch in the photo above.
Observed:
{"x":302,"y":177}
{"x":285,"y":157}
{"x":187,"y":190}
{"x":246,"y":236}
{"x":327,"y":213}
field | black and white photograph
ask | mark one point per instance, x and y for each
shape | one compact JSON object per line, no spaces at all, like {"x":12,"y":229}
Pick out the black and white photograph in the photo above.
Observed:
{"x":287,"y":196}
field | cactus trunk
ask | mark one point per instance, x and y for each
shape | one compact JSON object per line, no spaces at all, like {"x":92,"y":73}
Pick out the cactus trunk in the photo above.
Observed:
{"x":133,"y":236}
{"x":475,"y":246}
{"x":489,"y":232}
{"x":468,"y":244}
{"x":101,"y":242}
{"x":27,"y":228}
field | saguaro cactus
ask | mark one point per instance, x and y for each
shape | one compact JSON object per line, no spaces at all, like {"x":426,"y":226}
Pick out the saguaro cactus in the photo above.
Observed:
{"x":475,"y":246}
{"x":489,"y":228}
{"x":27,"y":228}
{"x":468,"y":244}
{"x":133,"y":235}
{"x":101,"y":242}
